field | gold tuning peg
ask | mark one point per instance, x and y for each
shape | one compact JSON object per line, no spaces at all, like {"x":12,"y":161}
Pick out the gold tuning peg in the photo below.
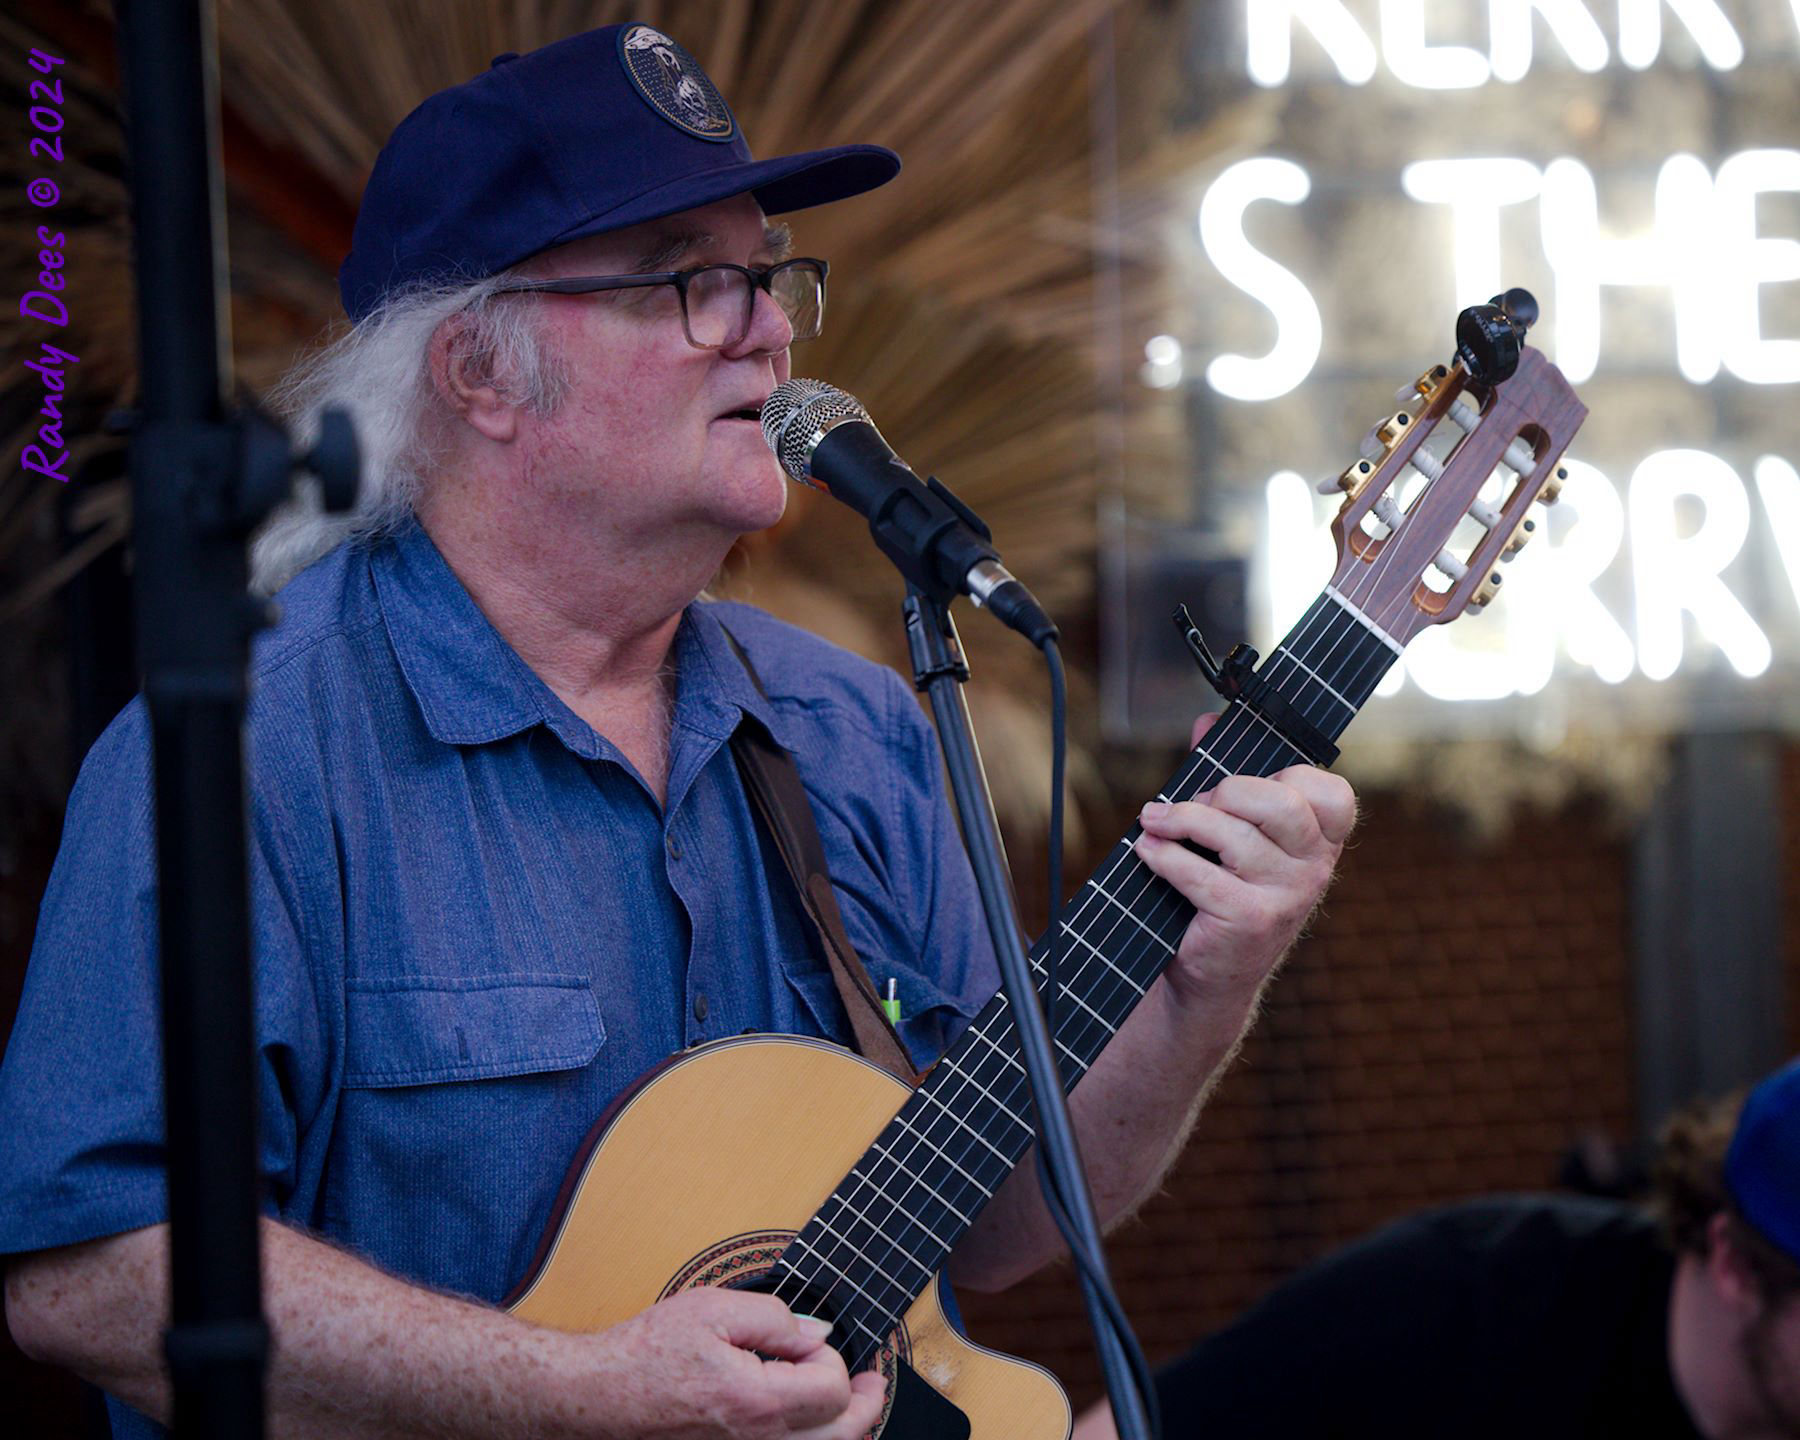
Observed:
{"x":1552,"y":489}
{"x":1425,"y":385}
{"x":1355,"y":477}
{"x":1488,"y":589}
{"x":1520,"y":538}
{"x":1389,"y":431}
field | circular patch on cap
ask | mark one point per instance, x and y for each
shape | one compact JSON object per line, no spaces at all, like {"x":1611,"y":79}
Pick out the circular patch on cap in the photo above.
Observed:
{"x":673,"y":84}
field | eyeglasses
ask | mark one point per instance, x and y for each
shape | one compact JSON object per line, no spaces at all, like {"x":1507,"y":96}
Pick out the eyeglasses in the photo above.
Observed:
{"x":717,"y":301}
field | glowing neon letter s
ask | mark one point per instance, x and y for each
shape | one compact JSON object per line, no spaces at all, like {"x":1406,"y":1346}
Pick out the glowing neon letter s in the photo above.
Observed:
{"x":1299,"y":331}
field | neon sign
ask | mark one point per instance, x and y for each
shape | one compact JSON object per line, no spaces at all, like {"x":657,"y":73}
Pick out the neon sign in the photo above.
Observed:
{"x":1655,"y":563}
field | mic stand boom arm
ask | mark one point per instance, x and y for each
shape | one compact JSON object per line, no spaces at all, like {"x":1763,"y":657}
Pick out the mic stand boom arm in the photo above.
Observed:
{"x":939,"y":670}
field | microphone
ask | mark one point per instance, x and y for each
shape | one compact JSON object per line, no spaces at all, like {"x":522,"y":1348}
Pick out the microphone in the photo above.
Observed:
{"x":825,"y":439}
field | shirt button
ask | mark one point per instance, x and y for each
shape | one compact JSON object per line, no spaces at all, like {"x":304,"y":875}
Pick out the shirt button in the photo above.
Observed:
{"x":674,"y":846}
{"x":700,"y":1005}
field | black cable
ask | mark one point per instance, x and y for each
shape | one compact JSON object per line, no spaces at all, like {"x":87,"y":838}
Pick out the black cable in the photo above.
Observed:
{"x":1090,"y":1266}
{"x":1099,"y":1287}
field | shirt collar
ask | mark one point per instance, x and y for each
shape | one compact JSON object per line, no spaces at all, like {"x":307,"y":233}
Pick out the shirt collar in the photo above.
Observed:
{"x":714,"y":680}
{"x":472,"y":688}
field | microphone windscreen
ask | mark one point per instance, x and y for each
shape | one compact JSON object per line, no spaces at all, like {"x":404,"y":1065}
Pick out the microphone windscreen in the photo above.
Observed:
{"x":799,"y":414}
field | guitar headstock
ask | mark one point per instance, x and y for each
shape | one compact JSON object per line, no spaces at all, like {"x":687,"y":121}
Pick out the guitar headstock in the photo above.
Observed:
{"x":1426,"y":525}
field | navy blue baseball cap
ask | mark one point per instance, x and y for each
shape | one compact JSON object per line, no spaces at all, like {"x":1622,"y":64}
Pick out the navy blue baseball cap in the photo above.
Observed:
{"x":593,"y":133}
{"x":1762,"y":1167}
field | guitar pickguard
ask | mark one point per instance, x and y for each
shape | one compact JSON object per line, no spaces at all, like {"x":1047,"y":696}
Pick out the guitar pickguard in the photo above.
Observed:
{"x":917,"y":1412}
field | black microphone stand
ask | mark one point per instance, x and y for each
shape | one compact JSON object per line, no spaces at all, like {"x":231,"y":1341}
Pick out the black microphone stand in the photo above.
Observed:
{"x":203,"y":477}
{"x":940,"y":671}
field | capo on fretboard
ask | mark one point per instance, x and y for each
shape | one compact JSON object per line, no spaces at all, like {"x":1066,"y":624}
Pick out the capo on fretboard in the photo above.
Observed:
{"x":1237,"y":681}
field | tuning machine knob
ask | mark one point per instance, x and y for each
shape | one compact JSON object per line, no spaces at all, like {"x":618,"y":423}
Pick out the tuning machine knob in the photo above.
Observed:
{"x":1424,"y":387}
{"x":1521,"y":537}
{"x":1552,"y":488}
{"x":1487,"y":589}
{"x":1351,"y":482}
{"x":1384,"y":434}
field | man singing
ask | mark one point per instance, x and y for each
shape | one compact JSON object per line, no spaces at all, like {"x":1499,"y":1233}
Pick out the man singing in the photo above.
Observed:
{"x":502,"y":861}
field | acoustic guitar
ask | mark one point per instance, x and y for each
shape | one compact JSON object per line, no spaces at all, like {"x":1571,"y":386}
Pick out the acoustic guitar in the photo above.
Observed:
{"x":796,"y":1167}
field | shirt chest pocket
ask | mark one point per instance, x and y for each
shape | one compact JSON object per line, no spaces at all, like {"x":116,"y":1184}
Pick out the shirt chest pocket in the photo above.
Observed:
{"x":463,"y":1101}
{"x":425,"y":1030}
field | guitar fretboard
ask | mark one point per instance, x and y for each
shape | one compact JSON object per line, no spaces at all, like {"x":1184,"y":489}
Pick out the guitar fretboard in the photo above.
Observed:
{"x":874,"y":1246}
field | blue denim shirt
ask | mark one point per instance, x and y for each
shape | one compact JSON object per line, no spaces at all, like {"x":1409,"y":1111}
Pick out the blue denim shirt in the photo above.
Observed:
{"x":473,"y":922}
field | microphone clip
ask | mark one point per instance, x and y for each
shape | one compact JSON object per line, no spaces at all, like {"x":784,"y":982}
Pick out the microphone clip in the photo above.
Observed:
{"x":1238,"y":683}
{"x":938,"y":488}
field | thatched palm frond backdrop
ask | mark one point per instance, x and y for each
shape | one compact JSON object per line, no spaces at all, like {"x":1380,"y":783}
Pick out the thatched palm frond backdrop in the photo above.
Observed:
{"x":964,"y":310}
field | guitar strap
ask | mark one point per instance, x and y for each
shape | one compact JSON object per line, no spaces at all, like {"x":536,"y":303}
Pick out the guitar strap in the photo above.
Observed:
{"x":773,"y":783}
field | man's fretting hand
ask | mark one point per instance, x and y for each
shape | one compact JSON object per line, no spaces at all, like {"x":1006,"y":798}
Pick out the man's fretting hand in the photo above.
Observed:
{"x":1278,"y":841}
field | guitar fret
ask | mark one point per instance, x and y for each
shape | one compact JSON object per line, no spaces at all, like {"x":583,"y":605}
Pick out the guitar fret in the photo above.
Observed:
{"x":910,"y":1166}
{"x":1067,"y":990}
{"x":1002,"y":1107}
{"x":1257,"y":716}
{"x":1357,"y":655}
{"x":900,"y":1120}
{"x":974,"y":1134}
{"x":1288,"y":654}
{"x":919,"y":1181}
{"x":1126,"y":912}
{"x":903,"y":1213}
{"x":1207,"y":757}
{"x":1064,"y":992}
{"x":1350,"y":606}
{"x":1085,"y":944}
{"x":862,"y":1255}
{"x":1012,"y":1061}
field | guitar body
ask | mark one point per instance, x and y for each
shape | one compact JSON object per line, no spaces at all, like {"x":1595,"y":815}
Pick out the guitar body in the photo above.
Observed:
{"x":702,"y":1174}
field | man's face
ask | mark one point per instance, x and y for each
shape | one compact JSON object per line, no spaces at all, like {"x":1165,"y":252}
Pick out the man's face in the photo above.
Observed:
{"x":1771,"y":1355}
{"x":653,"y":430}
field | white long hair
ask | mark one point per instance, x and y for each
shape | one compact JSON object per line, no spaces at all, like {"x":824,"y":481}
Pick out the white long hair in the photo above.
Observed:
{"x":379,"y":372}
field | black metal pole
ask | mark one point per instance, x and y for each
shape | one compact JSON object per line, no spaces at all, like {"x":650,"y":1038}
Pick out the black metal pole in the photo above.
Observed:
{"x":940,"y":670}
{"x":195,"y":620}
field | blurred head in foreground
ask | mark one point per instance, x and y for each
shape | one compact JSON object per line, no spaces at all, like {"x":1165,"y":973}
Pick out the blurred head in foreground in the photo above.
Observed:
{"x":1728,"y":1191}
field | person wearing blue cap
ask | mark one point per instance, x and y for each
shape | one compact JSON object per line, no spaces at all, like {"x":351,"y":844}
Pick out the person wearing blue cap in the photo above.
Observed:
{"x":1554,"y":1316}
{"x":1734,"y":1317}
{"x":502,"y":862}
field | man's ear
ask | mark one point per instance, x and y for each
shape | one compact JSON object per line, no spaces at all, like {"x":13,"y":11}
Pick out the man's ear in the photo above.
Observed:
{"x":1728,"y":1270}
{"x":463,"y":387}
